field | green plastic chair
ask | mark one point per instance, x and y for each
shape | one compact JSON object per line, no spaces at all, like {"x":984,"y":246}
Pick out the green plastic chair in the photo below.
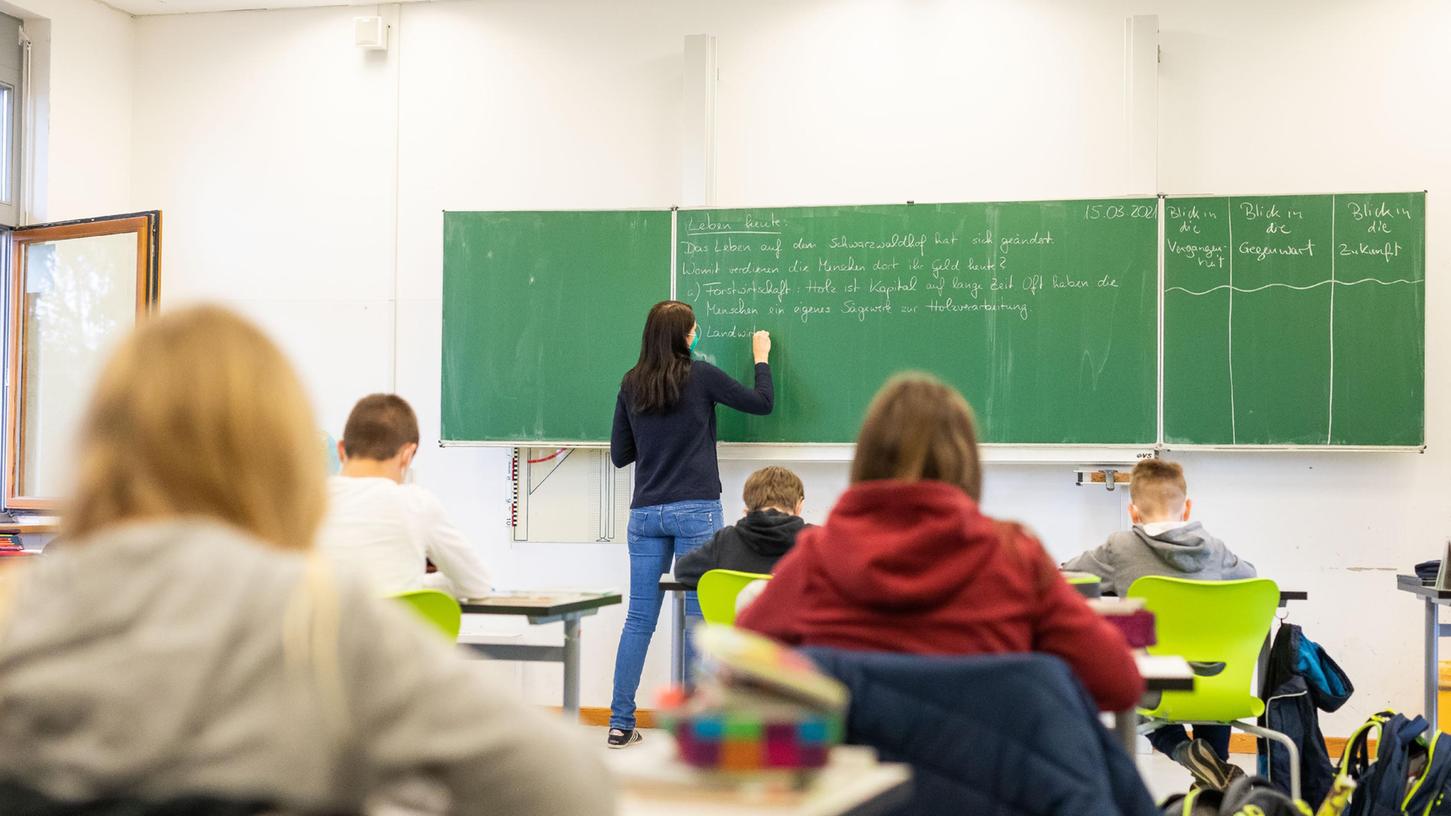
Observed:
{"x":438,"y":608}
{"x":717,"y":592}
{"x":1219,"y":627}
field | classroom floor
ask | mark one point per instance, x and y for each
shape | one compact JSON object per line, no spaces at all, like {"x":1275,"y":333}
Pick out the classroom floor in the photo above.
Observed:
{"x":1163,"y":776}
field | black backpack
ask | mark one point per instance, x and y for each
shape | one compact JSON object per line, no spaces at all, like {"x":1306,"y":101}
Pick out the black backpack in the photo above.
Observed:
{"x":1248,"y":796}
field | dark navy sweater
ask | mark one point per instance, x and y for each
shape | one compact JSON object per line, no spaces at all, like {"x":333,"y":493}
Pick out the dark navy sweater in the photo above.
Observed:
{"x":674,"y":451}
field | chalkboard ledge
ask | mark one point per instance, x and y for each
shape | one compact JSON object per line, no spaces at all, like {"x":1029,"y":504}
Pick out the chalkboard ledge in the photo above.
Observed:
{"x":1176,"y":448}
{"x":994,"y":453}
{"x":819,"y":452}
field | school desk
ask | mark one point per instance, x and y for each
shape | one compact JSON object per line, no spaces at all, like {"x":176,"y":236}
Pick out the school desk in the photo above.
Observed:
{"x":654,"y":782}
{"x":542,"y":607}
{"x":1161,"y":673}
{"x":1433,"y":599}
{"x":677,"y":592}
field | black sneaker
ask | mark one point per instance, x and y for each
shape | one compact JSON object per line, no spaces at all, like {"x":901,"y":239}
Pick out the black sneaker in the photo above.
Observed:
{"x":1208,"y":769}
{"x":621,"y":738}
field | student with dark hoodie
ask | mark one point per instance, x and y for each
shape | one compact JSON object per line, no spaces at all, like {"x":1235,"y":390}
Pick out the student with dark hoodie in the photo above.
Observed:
{"x":1163,"y":541}
{"x":908,"y":562}
{"x":774,"y":497}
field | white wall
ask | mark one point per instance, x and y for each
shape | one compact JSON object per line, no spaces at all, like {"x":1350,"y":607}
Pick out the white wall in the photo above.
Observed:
{"x":270,"y":144}
{"x":268,"y":141}
{"x":88,"y":48}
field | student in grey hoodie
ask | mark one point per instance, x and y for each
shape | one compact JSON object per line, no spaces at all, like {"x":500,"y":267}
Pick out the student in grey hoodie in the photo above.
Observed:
{"x":1163,"y":541}
{"x":187,"y":641}
{"x":774,"y":497}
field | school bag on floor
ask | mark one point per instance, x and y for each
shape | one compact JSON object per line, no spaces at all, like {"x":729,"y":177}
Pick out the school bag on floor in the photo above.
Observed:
{"x":1411,"y":771}
{"x":1248,"y":796}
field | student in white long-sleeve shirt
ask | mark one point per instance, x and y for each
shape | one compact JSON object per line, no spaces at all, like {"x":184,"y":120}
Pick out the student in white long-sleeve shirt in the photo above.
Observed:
{"x":384,"y":527}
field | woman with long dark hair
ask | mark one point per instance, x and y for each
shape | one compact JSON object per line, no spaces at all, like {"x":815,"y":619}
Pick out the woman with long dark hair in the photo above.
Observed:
{"x":665,"y":424}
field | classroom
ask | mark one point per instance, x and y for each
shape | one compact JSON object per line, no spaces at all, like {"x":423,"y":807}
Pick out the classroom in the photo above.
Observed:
{"x":473,"y":204}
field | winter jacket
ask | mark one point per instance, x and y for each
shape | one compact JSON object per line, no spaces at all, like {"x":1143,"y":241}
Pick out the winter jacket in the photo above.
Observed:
{"x":1013,"y":735}
{"x":1185,"y":551}
{"x":916,"y":567}
{"x":753,"y":544}
{"x":1301,"y":678}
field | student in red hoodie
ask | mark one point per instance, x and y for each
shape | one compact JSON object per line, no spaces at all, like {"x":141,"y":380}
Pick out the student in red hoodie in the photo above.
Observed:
{"x":907,"y":562}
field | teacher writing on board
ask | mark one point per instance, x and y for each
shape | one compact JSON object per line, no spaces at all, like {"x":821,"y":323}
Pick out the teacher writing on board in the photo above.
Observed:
{"x":665,"y":424}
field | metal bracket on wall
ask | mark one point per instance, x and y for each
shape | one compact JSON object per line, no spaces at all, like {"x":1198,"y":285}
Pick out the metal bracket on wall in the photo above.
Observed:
{"x":1109,"y":477}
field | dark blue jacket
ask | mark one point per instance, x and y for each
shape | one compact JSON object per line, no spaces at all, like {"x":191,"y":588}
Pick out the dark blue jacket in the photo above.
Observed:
{"x":998,"y":735}
{"x":674,"y":450}
{"x":1301,"y":678}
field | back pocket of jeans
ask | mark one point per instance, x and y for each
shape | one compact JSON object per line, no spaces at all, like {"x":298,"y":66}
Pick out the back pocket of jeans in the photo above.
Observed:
{"x":695,"y":524}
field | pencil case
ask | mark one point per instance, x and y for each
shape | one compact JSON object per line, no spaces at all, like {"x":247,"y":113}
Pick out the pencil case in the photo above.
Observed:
{"x":744,"y":742}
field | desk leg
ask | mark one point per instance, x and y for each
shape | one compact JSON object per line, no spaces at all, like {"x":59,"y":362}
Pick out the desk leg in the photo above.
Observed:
{"x":571,"y":669}
{"x":1433,"y":644}
{"x":1125,"y":725}
{"x":677,"y":639}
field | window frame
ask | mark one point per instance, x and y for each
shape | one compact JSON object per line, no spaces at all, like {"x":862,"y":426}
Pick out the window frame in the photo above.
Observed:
{"x":147,"y":228}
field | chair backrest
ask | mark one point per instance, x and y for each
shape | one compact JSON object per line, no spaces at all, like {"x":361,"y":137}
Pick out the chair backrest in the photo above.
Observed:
{"x":1087,"y":584}
{"x":717,"y":591}
{"x":1009,"y":733}
{"x":438,"y":608}
{"x":1211,"y":622}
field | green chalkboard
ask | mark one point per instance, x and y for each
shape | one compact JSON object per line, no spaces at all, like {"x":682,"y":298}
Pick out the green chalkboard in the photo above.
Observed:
{"x":541,"y":317}
{"x":1295,"y":320}
{"x":1044,"y":314}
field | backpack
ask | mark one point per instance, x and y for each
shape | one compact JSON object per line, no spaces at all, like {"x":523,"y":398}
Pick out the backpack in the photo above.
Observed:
{"x":1411,"y":772}
{"x":1247,"y":796}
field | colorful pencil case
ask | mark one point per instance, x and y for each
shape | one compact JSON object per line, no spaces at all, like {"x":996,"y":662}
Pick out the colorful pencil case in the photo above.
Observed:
{"x":744,"y":742}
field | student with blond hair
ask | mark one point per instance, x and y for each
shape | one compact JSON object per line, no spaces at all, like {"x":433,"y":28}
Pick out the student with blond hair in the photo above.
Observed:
{"x":188,"y":642}
{"x":908,"y":562}
{"x":1163,"y":541}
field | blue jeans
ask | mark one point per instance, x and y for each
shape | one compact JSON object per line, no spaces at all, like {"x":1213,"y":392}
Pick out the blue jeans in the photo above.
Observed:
{"x":1166,"y":739}
{"x":657,"y":535}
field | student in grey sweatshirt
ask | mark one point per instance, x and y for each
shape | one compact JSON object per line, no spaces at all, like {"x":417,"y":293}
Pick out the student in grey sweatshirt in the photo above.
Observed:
{"x":185,"y":639}
{"x":1179,"y":549}
{"x":1163,"y":541}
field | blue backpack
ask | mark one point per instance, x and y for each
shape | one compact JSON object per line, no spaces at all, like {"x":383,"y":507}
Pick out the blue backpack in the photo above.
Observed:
{"x":1411,"y":772}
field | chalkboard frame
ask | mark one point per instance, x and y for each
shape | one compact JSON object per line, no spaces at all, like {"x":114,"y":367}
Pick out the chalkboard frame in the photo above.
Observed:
{"x":1017,"y":453}
{"x":1167,"y":447}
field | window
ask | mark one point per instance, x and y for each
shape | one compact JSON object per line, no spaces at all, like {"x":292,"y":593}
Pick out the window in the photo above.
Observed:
{"x":12,"y":72}
{"x":75,"y":289}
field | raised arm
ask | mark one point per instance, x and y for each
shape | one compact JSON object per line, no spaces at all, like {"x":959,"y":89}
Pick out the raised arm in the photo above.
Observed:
{"x":725,"y":390}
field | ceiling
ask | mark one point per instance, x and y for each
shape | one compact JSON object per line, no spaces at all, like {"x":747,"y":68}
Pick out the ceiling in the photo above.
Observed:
{"x":148,"y":7}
